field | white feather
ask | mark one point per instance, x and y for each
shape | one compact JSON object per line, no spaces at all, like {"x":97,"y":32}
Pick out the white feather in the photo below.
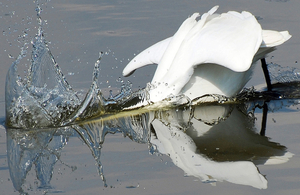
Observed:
{"x":213,"y":55}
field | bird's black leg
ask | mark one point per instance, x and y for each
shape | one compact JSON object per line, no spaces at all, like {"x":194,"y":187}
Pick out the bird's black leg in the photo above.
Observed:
{"x":264,"y":119}
{"x":266,"y":73}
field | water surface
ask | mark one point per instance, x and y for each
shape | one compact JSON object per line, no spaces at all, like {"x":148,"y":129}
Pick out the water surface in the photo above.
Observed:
{"x":197,"y":141}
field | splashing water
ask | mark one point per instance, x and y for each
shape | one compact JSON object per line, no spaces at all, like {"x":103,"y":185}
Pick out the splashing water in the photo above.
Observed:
{"x":281,"y":74}
{"x":45,"y":99}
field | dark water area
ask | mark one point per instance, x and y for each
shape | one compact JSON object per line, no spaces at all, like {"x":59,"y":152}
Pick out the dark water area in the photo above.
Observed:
{"x":68,"y":126}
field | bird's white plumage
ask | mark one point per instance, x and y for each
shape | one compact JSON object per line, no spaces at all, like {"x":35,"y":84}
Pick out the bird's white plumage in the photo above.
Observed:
{"x":211,"y":55}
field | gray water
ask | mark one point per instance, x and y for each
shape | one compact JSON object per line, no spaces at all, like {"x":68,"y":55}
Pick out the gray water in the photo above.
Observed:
{"x":161,"y":146}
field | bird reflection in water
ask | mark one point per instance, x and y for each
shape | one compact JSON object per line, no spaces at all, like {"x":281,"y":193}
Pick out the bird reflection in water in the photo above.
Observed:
{"x":213,"y":142}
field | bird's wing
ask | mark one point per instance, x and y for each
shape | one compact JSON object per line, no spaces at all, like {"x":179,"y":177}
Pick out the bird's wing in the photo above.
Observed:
{"x":273,"y":38}
{"x":155,"y":53}
{"x":187,"y":29}
{"x":151,"y":55}
{"x":230,"y":40}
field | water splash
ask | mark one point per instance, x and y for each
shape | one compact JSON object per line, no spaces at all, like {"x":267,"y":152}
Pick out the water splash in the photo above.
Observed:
{"x":44,"y":98}
{"x":280,"y":74}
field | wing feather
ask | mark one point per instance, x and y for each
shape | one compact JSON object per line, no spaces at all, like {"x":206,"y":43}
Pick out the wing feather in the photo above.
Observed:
{"x":151,"y":55}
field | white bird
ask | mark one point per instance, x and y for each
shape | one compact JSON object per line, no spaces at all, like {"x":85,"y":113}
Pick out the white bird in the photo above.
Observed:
{"x":212,"y":55}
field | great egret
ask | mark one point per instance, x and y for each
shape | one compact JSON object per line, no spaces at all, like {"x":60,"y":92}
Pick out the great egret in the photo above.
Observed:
{"x":212,"y":55}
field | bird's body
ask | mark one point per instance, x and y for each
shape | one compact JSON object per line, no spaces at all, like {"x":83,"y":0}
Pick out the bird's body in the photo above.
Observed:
{"x":213,"y":55}
{"x":227,"y":82}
